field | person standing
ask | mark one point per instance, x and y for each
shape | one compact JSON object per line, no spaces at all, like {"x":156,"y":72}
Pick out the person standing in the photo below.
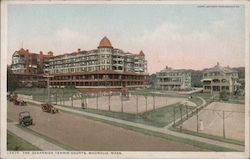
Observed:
{"x":201,"y":125}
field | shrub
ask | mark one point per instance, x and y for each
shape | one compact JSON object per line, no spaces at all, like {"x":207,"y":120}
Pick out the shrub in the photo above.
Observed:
{"x":224,"y":96}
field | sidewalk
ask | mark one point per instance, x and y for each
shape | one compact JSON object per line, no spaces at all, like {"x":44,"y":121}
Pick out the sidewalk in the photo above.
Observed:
{"x":193,"y":91}
{"x":33,"y":139}
{"x":161,"y":130}
{"x":189,"y":113}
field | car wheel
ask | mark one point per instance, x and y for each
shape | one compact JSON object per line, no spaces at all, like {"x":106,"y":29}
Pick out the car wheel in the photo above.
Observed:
{"x":23,"y":124}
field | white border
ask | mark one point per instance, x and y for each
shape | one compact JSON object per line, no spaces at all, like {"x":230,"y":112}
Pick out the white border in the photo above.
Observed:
{"x":125,"y":154}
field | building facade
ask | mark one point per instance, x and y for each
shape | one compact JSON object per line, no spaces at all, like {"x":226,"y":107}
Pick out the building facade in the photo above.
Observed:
{"x":173,"y":79}
{"x":25,"y":62}
{"x":102,"y":68}
{"x":218,"y":79}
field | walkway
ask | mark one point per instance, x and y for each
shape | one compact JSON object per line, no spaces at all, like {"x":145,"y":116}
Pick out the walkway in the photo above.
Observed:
{"x":189,"y":113}
{"x":161,"y":130}
{"x":193,"y":91}
{"x":33,"y":139}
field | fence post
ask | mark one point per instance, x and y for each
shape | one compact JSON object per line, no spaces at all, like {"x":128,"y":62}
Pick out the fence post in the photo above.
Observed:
{"x":154,"y":102}
{"x":72,"y":100}
{"x":60,"y":100}
{"x":82,"y":99}
{"x":137,"y":104}
{"x":146,"y":97}
{"x":97,"y":101}
{"x":43,"y":95}
{"x":174,"y":115}
{"x":181,"y":112}
{"x":197,"y":118}
{"x":56,"y":96}
{"x":224,"y":131}
{"x":186,"y":109}
{"x":63,"y":96}
{"x":86,"y":101}
{"x":121,"y":105}
{"x":109,"y":101}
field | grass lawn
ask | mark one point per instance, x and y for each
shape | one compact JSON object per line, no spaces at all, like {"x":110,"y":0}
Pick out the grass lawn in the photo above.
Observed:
{"x":231,"y":98}
{"x":158,"y":118}
{"x":15,"y":143}
{"x":196,"y":100}
{"x":218,"y":138}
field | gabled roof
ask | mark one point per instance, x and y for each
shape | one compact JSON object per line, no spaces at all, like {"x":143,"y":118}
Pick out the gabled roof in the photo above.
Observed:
{"x":218,"y":68}
{"x":141,"y":53}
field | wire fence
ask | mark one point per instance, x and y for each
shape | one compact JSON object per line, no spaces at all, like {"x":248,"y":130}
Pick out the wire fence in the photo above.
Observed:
{"x":215,"y":121}
{"x":111,"y":101}
{"x":115,"y":101}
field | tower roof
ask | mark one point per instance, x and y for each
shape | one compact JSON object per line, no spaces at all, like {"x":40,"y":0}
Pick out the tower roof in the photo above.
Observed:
{"x":141,"y":53}
{"x":105,"y":43}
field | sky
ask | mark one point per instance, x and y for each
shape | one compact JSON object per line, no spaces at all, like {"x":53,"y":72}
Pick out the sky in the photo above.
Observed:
{"x":178,"y":36}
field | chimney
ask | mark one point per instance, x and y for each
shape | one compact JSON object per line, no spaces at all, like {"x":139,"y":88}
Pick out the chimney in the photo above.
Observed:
{"x":50,"y":53}
{"x":78,"y":50}
{"x":218,"y":64}
{"x":27,"y":50}
{"x":166,"y":67}
{"x":41,"y":53}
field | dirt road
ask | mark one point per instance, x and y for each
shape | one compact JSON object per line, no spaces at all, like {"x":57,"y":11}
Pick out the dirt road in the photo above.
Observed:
{"x":85,"y":134}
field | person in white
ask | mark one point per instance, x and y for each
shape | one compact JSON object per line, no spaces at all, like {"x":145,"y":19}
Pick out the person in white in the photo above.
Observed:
{"x":201,"y":126}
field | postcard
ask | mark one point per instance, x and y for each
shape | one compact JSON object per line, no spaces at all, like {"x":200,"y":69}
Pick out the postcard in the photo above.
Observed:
{"x":124,"y":79}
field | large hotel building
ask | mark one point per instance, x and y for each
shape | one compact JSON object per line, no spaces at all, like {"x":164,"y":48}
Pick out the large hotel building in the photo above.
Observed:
{"x":104,"y":68}
{"x":218,"y":79}
{"x":173,"y":79}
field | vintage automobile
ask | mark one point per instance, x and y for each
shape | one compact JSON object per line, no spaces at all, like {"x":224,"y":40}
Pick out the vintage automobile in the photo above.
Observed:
{"x":20,"y":102}
{"x":49,"y":108}
{"x":25,"y":119}
{"x":16,"y":100}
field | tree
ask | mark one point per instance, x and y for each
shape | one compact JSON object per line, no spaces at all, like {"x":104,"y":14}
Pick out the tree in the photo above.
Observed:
{"x":13,"y":81}
{"x":224,"y":96}
{"x":196,"y":77}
